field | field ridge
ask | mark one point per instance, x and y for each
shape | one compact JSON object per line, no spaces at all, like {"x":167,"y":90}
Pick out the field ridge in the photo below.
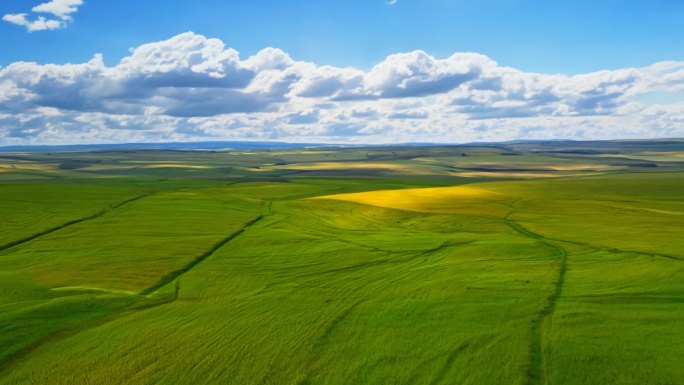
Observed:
{"x":98,"y":214}
{"x":172,"y":276}
{"x":619,"y":251}
{"x":7,"y":362}
{"x":542,"y":321}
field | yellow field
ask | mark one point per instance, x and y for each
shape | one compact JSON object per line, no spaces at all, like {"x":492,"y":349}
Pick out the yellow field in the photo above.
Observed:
{"x":25,"y":166}
{"x":321,"y":166}
{"x":674,"y":156}
{"x":496,"y":174}
{"x":434,"y":199}
{"x":174,"y":165}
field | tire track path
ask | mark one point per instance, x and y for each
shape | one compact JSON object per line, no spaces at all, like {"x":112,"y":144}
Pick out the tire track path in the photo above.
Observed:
{"x":7,"y":362}
{"x":144,"y":301}
{"x":49,"y":231}
{"x":536,"y":374}
{"x":172,"y":276}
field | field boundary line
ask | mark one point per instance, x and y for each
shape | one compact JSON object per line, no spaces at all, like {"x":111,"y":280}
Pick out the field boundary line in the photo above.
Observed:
{"x":115,"y":314}
{"x":98,"y":214}
{"x":542,"y":321}
{"x":614,"y":250}
{"x":322,"y":338}
{"x":126,"y":310}
{"x":172,"y":276}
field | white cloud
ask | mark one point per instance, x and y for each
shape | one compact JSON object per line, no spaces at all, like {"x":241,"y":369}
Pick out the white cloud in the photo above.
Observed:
{"x":418,"y":74}
{"x":38,"y":24}
{"x":190,"y":86}
{"x":60,"y":11}
{"x":59,"y":8}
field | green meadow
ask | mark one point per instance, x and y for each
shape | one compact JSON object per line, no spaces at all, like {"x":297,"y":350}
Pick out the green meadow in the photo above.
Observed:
{"x":532,"y":263}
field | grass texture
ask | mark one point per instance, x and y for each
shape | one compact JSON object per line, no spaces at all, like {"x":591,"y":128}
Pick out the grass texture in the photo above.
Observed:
{"x":160,"y":275}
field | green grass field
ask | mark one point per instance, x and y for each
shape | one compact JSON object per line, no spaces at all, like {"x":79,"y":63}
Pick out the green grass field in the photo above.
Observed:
{"x":517,"y":264}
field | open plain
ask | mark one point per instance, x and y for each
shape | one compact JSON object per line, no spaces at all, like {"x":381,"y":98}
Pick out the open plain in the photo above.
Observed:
{"x":524,"y":263}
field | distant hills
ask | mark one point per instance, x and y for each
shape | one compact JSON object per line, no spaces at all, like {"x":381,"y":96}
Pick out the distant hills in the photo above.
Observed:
{"x":567,"y":146}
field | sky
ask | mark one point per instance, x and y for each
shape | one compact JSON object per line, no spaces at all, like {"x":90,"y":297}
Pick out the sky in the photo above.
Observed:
{"x":354,"y":71}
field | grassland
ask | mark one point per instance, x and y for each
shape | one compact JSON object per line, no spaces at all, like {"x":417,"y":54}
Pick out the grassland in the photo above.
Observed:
{"x":546,"y":263}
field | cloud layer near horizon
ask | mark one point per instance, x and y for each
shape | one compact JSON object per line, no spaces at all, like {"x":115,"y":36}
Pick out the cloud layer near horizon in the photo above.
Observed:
{"x":190,"y":87}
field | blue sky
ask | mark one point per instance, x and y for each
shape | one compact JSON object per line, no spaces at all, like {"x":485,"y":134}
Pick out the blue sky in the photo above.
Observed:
{"x":564,"y":38}
{"x":571,"y":36}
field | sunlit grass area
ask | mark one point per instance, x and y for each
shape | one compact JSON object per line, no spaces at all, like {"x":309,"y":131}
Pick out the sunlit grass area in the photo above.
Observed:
{"x":213,"y":273}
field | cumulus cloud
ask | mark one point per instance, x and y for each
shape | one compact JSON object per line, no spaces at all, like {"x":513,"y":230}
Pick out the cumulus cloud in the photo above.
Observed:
{"x":190,"y":86}
{"x":38,"y":24}
{"x":60,"y":8}
{"x":419,"y":74}
{"x":304,"y":117}
{"x":409,"y":115}
{"x":59,"y":12}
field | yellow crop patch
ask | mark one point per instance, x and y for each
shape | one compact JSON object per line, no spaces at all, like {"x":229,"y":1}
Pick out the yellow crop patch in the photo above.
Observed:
{"x":325,"y":166}
{"x":174,"y":165}
{"x":433,"y":199}
{"x":25,"y":166}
